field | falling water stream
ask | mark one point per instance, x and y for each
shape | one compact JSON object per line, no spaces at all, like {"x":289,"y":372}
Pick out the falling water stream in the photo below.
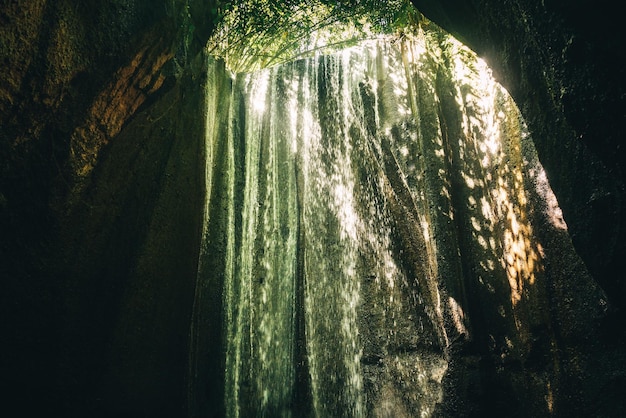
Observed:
{"x":336,"y":182}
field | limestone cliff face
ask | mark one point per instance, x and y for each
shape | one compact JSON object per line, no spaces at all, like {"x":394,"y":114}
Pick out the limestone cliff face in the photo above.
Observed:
{"x":558,"y":61}
{"x":98,"y":111}
{"x":100,"y":208}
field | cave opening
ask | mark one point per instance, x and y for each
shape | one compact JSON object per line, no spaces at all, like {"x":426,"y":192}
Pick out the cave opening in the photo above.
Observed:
{"x":372,"y":201}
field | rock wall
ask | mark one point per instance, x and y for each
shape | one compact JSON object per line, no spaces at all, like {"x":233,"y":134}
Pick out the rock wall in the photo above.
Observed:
{"x":559,"y":62}
{"x":100,"y":204}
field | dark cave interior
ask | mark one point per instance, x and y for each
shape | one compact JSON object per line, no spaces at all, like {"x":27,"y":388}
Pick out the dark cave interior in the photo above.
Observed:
{"x":101,"y":197}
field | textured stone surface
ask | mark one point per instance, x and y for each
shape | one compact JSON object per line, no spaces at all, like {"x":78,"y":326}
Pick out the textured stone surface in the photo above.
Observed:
{"x":559,"y":62}
{"x":99,"y":112}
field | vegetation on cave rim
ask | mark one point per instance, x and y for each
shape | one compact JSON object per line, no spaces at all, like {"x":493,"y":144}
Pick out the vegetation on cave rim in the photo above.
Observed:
{"x":254,"y":34}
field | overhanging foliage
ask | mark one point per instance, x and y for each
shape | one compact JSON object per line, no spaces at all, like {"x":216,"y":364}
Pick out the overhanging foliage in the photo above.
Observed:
{"x":254,"y":34}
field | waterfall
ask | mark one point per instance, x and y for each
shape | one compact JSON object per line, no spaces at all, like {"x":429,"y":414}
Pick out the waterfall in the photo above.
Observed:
{"x":353,"y":201}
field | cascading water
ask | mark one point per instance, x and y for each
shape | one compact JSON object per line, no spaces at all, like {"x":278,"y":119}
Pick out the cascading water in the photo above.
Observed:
{"x":337,"y":187}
